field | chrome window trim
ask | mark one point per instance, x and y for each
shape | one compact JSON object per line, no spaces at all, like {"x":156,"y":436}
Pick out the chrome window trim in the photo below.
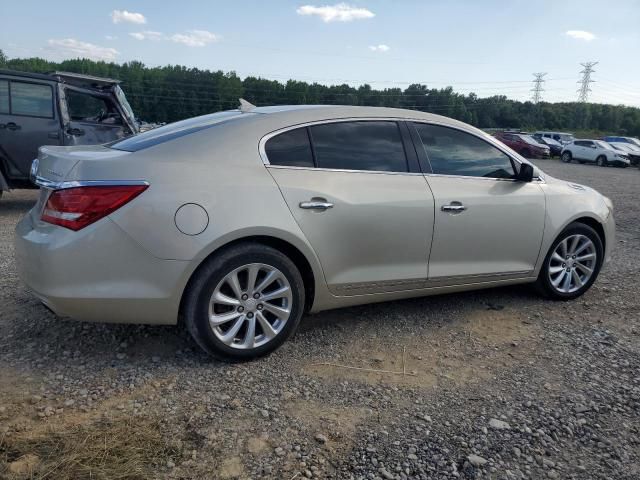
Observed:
{"x":263,"y":153}
{"x":487,"y":138}
{"x":343,"y":170}
{"x":51,"y":185}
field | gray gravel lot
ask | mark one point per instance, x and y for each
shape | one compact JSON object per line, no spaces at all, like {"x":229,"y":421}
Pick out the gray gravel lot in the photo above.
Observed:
{"x":500,"y":384}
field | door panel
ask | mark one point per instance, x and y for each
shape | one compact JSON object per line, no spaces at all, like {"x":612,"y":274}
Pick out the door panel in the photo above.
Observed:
{"x":376,"y":236}
{"x":499,"y":232}
{"x":31,"y":122}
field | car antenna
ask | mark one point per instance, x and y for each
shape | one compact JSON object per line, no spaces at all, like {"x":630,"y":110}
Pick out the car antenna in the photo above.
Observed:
{"x":246,"y":106}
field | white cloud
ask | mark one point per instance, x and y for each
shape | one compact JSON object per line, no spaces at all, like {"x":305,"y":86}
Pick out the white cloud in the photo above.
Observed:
{"x":120,"y":16}
{"x":110,"y":37}
{"x":70,"y":47}
{"x":195,"y":38}
{"x":580,"y":35}
{"x":379,"y":48}
{"x":147,"y":35}
{"x":340,"y":12}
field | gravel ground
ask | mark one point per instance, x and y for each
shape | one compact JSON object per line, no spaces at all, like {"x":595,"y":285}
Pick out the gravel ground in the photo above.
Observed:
{"x":499,"y":384}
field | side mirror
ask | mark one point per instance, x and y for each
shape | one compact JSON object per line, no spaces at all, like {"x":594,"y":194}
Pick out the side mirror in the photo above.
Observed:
{"x":525,"y":174}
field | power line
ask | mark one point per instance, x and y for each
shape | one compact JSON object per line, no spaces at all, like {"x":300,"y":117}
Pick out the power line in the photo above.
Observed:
{"x":584,"y":90}
{"x":537,"y":89}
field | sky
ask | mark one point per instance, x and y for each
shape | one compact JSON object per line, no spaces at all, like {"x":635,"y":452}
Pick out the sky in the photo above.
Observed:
{"x":485,"y":46}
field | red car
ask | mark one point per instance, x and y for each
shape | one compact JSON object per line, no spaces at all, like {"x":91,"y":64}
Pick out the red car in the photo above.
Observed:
{"x":524,"y":144}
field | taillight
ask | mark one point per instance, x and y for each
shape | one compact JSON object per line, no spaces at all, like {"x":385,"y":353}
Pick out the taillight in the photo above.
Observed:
{"x":77,"y":207}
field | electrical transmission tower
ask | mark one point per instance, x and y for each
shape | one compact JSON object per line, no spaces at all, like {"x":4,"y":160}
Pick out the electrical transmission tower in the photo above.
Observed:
{"x":583,"y":91}
{"x":537,"y":89}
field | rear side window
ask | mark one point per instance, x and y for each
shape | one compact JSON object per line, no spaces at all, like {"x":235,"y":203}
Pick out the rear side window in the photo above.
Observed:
{"x":89,"y":108}
{"x":453,"y":152}
{"x":364,"y":145}
{"x":4,"y":96}
{"x":31,"y":99}
{"x":290,"y":149}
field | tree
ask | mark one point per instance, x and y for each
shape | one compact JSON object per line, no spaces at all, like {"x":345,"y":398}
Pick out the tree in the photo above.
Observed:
{"x":3,"y":59}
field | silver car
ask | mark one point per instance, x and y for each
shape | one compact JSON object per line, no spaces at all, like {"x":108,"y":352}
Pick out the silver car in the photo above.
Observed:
{"x":241,"y":221}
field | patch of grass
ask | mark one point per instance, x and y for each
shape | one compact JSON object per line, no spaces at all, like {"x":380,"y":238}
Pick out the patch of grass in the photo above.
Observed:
{"x":130,"y":449}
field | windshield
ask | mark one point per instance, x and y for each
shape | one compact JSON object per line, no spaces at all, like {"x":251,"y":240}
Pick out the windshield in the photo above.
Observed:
{"x":529,"y":139}
{"x":173,"y":130}
{"x":604,"y":145}
{"x":635,"y":141}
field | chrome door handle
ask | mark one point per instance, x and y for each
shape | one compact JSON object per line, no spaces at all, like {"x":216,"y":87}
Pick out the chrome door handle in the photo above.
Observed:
{"x":316,"y":205}
{"x":454,"y":207}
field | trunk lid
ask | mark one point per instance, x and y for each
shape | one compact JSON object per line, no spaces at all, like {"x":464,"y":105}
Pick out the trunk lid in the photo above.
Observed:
{"x":54,"y":163}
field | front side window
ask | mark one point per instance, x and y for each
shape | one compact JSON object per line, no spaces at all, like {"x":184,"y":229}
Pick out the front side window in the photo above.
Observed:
{"x":88,"y":108}
{"x":4,"y":96}
{"x":359,"y":145}
{"x":32,"y":99}
{"x":453,"y":152}
{"x":290,"y":149}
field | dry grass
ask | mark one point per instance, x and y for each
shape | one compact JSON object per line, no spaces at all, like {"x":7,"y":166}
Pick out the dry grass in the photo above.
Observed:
{"x":115,"y":450}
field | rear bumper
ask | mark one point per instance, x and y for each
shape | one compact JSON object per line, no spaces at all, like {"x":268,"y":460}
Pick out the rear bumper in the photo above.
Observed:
{"x":97,"y":274}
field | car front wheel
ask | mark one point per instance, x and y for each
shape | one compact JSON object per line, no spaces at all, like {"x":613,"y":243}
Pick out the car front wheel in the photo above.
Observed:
{"x":244,"y":302}
{"x":566,"y":157}
{"x":601,"y":161}
{"x":572,"y":263}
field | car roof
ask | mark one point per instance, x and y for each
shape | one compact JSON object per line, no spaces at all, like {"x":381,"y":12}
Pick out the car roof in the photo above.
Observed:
{"x":77,"y":79}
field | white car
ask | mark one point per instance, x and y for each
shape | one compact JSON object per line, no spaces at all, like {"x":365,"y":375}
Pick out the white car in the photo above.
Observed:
{"x":630,"y":149}
{"x":595,"y":151}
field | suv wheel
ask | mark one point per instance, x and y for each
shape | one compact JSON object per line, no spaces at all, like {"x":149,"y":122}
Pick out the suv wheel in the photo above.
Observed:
{"x":566,"y":157}
{"x":244,"y":302}
{"x":601,"y":161}
{"x":572,"y":263}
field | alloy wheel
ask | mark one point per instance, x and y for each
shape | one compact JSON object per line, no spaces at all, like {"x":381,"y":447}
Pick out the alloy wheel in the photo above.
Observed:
{"x":250,"y":306}
{"x":572,"y":263}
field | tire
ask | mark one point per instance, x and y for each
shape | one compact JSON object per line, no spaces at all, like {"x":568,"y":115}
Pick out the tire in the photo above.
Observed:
{"x":213,"y":277}
{"x":544,"y":282}
{"x":566,"y":157}
{"x":601,"y":161}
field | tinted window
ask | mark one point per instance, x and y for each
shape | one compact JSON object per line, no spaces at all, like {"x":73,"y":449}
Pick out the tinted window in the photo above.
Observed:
{"x":291,"y":149}
{"x":452,"y":152}
{"x":88,"y":108}
{"x":173,"y":130}
{"x":4,"y":96}
{"x":375,"y":145}
{"x":31,"y":99}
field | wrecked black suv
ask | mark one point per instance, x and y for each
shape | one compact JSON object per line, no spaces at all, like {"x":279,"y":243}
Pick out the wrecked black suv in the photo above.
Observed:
{"x":56,"y":109}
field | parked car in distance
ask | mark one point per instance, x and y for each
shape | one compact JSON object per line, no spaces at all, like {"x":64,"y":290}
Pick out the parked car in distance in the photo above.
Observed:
{"x":524,"y":144}
{"x":631,"y":140}
{"x":561,"y":137}
{"x":555,"y":147}
{"x":594,"y":151}
{"x":629,"y":149}
{"x":240,"y":221}
{"x":57,"y":109}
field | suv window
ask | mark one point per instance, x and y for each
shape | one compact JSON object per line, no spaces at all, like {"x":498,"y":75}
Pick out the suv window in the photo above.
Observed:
{"x":88,"y":108}
{"x":361,"y":145}
{"x":453,"y":152}
{"x":4,"y":96}
{"x":290,"y":149}
{"x":32,"y":99}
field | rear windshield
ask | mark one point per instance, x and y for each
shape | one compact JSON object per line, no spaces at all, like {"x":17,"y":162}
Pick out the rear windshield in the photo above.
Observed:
{"x":172,"y":131}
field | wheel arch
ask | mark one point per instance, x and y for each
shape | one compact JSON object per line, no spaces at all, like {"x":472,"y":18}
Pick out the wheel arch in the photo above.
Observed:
{"x":295,"y":254}
{"x":595,"y":224}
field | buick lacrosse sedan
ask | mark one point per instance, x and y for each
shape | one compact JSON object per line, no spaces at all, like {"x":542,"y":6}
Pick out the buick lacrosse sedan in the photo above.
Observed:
{"x":241,"y":221}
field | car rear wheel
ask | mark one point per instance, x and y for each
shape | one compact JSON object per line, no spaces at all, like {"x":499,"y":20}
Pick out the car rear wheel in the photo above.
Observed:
{"x":566,"y":157}
{"x":244,"y":302}
{"x":601,"y":161}
{"x":572,"y":263}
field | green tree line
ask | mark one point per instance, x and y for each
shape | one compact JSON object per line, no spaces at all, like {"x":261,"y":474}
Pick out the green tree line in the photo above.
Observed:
{"x":174,"y":92}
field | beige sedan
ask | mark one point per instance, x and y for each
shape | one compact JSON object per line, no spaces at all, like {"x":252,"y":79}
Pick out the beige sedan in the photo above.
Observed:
{"x":241,"y":221}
